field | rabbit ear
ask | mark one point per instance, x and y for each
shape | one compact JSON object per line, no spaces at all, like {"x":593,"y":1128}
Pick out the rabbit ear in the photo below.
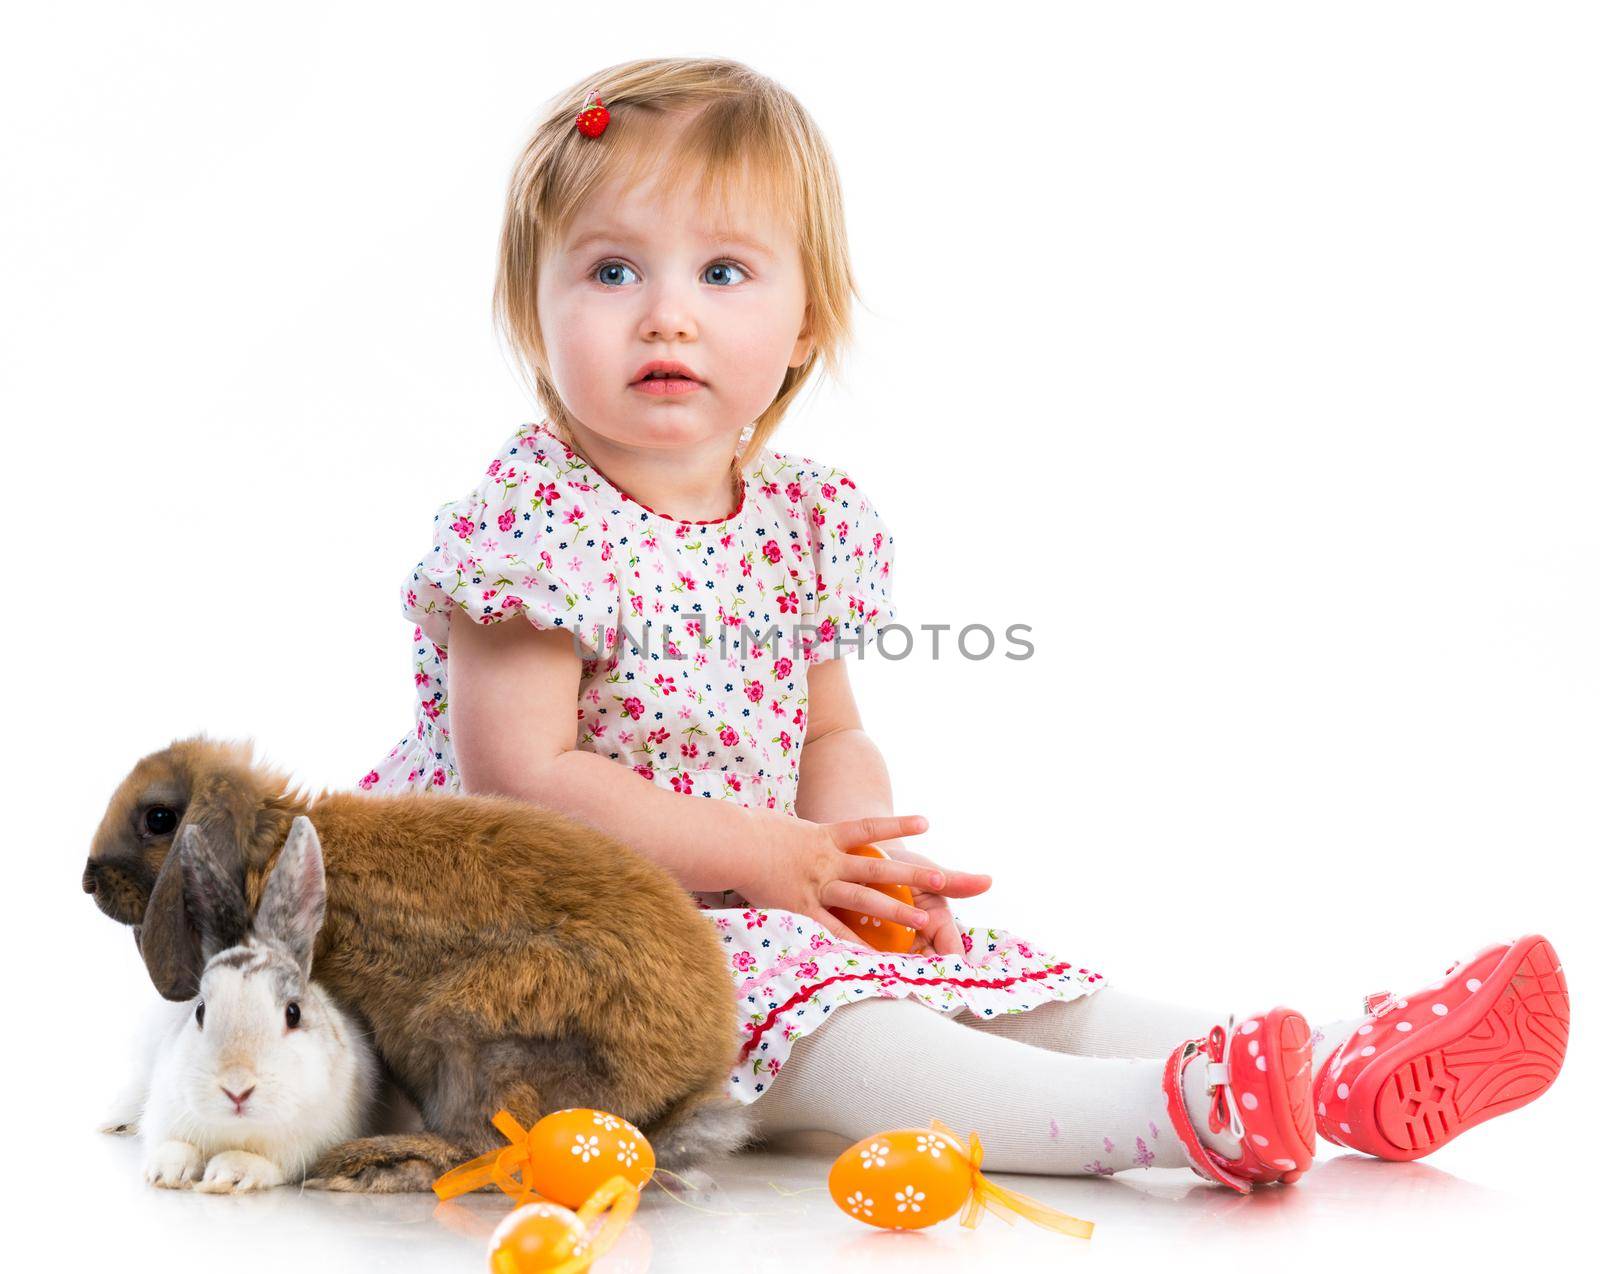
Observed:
{"x":214,"y":890}
{"x":292,"y":903}
{"x":168,"y":942}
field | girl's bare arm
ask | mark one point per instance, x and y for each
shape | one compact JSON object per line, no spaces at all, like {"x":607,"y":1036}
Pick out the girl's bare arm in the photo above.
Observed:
{"x":513,"y":699}
{"x":843,"y":775}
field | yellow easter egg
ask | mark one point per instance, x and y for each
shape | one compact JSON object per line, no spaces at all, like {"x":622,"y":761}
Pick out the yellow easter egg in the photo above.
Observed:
{"x":902,"y":1180}
{"x":537,"y":1237}
{"x":576,"y":1151}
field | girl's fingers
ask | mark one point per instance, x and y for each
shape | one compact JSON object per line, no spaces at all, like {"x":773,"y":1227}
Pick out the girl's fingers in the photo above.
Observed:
{"x":946,"y":938}
{"x":939,"y":937}
{"x":886,"y":871}
{"x":872,"y":902}
{"x":837,"y":927}
{"x":963,"y":884}
{"x":861,"y":831}
{"x":928,"y":877}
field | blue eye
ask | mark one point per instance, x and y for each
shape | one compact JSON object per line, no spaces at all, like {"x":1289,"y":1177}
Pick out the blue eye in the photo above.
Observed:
{"x":610,"y":265}
{"x":604,"y":266}
{"x":727,"y":265}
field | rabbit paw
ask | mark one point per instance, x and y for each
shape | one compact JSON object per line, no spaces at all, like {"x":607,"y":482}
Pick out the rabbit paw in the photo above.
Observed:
{"x":173,"y":1165}
{"x":235,"y":1171}
{"x":392,"y":1164}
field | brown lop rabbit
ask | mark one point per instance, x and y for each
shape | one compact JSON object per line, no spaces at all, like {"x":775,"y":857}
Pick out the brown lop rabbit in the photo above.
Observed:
{"x":503,"y":955}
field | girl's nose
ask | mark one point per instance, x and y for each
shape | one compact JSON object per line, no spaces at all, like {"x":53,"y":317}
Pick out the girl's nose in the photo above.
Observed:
{"x":669,"y":318}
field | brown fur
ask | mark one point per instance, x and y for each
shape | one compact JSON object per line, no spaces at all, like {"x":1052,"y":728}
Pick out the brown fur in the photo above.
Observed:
{"x":502,"y":954}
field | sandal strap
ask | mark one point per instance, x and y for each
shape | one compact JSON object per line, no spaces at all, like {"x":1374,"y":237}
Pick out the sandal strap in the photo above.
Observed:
{"x":1381,"y":1002}
{"x":1201,"y":1157}
{"x":1224,"y":1112}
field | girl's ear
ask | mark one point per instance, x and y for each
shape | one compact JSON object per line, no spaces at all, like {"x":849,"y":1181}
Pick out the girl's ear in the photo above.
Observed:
{"x":804,"y":347}
{"x":295,"y":896}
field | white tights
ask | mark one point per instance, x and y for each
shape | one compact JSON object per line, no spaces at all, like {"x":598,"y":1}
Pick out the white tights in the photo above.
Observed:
{"x":1067,"y":1088}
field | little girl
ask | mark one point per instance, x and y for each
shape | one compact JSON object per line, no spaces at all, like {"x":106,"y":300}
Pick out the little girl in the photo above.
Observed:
{"x":673,"y":264}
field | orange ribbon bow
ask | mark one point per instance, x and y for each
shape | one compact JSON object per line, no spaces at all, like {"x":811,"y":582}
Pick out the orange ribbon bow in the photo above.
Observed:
{"x":999,"y":1200}
{"x":508,"y":1169}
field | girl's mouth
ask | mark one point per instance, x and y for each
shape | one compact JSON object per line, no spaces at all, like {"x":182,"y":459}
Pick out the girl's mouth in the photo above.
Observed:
{"x":659,"y":386}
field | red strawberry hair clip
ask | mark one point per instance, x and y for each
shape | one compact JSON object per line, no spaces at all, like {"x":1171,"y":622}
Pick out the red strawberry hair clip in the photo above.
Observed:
{"x":594,"y":117}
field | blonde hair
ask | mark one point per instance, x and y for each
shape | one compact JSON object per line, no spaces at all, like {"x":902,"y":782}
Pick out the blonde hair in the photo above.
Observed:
{"x":747,"y":135}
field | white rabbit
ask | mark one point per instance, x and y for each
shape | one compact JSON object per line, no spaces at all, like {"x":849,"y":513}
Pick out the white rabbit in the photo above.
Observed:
{"x":263,"y":1072}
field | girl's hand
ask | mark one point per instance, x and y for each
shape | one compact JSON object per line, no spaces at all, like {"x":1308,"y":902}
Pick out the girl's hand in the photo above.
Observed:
{"x":806,"y":869}
{"x":940,"y":935}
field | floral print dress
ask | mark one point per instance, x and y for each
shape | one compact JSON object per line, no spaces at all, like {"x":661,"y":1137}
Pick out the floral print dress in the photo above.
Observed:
{"x":683,"y":683}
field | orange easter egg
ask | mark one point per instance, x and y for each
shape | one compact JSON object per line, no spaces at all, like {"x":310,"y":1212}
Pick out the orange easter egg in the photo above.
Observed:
{"x":880,"y":934}
{"x":901,"y":1180}
{"x":538,"y":1237}
{"x":576,"y":1151}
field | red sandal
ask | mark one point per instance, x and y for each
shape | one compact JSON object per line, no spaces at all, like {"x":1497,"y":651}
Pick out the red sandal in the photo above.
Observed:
{"x":1260,"y":1085}
{"x":1488,"y":1037}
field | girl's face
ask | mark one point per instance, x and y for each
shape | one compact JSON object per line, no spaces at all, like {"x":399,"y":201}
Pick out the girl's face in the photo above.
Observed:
{"x":637,"y":280}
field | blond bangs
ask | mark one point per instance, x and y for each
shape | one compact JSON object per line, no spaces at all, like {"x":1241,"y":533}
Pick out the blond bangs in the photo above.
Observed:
{"x":746,"y":141}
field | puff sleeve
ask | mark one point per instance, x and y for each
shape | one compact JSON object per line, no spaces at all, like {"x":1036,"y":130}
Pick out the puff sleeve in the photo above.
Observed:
{"x":512,"y":547}
{"x":853,"y":551}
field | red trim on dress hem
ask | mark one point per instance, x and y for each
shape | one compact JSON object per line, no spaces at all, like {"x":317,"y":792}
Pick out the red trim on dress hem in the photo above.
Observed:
{"x":806,"y":992}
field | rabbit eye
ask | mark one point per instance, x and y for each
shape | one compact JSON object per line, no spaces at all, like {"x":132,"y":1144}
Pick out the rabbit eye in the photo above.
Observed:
{"x":200,"y":1015}
{"x":291,"y":1015}
{"x":159,"y":820}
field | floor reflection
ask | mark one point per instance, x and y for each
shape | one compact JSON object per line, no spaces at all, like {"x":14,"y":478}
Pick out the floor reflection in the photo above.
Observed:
{"x":770,"y":1210}
{"x":776,"y":1196}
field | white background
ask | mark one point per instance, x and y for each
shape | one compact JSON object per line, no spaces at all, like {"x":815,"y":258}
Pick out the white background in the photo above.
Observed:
{"x":1246,"y":351}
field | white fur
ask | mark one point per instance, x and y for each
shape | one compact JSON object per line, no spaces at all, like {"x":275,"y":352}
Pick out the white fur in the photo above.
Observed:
{"x":122,"y":1119}
{"x":312,"y":1083}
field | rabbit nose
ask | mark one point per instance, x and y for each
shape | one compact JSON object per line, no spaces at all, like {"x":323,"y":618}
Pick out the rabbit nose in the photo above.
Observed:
{"x":238,"y":1099}
{"x":90,"y":879}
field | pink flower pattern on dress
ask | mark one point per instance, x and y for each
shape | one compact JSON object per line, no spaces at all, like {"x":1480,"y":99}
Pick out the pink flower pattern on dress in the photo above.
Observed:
{"x":545,"y":538}
{"x":714,"y":722}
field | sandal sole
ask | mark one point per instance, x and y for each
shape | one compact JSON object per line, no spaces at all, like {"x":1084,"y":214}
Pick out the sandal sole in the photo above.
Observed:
{"x":1291,"y":1092}
{"x":1272,"y":1084}
{"x":1498,"y":1051}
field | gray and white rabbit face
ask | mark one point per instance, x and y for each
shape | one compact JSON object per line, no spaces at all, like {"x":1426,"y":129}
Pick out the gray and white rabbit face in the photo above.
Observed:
{"x":260,"y":1049}
{"x":263,"y":1043}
